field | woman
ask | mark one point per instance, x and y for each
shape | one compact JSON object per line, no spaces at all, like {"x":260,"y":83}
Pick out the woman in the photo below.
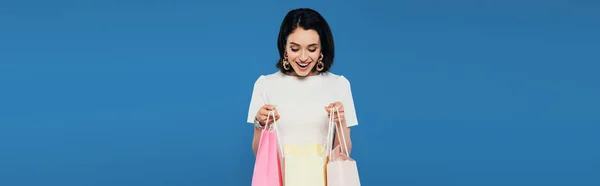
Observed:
{"x":303,"y":93}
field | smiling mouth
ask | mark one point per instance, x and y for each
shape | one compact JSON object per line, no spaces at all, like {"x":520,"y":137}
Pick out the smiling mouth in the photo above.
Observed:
{"x":303,"y":65}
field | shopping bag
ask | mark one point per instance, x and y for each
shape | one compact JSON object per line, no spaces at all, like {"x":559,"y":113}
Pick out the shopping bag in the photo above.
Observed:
{"x":341,"y":169}
{"x":267,"y":170}
{"x":304,"y":164}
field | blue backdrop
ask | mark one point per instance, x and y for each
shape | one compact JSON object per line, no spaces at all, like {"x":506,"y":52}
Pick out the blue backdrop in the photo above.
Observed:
{"x":467,"y":93}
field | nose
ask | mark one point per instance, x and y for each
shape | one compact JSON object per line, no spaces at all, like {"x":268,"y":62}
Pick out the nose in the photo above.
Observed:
{"x":303,"y":56}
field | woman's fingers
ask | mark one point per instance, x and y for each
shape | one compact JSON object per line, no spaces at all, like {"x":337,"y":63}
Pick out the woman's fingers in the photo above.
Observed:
{"x":267,"y":112}
{"x":269,"y":107}
{"x":339,"y":106}
{"x":271,"y":120}
{"x":266,"y":109}
{"x":270,"y":112}
{"x":331,"y":107}
{"x":337,"y":117}
{"x":261,"y":119}
{"x":337,"y":113}
{"x":263,"y":112}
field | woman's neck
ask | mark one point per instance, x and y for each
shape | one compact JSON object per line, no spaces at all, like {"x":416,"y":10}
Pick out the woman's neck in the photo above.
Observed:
{"x":296,"y":75}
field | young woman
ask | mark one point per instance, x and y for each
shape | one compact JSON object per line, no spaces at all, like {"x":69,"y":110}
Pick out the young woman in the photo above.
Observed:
{"x":303,"y":92}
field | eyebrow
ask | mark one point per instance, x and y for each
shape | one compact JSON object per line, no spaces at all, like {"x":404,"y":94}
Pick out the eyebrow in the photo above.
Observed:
{"x":314,"y":44}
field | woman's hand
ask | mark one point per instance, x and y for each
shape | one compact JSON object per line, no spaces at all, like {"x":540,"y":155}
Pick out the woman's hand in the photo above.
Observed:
{"x":331,"y":110}
{"x":261,"y":115}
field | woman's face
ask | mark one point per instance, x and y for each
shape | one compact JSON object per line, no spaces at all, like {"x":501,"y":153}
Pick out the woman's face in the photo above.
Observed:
{"x":303,"y":51}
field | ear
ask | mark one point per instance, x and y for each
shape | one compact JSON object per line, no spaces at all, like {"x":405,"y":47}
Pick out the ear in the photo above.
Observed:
{"x":321,"y":57}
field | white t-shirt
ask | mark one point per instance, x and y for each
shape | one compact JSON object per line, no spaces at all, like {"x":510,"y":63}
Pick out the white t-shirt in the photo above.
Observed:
{"x":301,"y":103}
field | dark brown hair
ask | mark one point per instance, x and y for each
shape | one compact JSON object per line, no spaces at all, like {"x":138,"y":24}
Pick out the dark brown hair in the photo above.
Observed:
{"x":307,"y":19}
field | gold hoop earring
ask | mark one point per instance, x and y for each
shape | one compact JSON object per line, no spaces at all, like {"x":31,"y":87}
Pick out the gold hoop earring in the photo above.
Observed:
{"x":286,"y":65}
{"x":320,"y":66}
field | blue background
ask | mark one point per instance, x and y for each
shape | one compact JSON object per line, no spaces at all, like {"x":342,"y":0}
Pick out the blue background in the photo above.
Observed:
{"x":467,"y":93}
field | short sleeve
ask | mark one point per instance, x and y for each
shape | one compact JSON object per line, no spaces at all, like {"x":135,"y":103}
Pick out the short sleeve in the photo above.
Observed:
{"x":346,"y":98}
{"x":256,"y":100}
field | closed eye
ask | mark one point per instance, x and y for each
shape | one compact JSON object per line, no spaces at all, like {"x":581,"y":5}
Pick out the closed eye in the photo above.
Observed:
{"x":311,"y":48}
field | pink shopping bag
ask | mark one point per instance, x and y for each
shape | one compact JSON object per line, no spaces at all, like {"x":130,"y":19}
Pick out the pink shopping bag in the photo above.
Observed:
{"x":267,"y":170}
{"x":341,"y":169}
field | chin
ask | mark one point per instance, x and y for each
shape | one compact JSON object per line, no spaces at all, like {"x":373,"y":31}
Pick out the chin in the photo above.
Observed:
{"x":303,"y":73}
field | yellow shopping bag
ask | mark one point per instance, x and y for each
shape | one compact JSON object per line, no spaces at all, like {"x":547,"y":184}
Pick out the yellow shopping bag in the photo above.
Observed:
{"x":305,"y":164}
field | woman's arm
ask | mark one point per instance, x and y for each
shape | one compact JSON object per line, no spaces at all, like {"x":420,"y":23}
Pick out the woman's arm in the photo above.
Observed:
{"x":339,"y":141}
{"x":256,"y":140}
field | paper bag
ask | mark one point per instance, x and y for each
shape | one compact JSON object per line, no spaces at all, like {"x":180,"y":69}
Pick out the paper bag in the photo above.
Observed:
{"x":267,"y":170}
{"x":305,"y":164}
{"x":341,"y":169}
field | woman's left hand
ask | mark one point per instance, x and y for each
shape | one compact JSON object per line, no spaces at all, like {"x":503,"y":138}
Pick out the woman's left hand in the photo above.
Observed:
{"x":331,"y":110}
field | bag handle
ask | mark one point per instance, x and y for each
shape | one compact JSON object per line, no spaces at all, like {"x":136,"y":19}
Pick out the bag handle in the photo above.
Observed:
{"x":330,"y":137}
{"x":343,"y":136}
{"x":272,"y":125}
{"x":329,"y":140}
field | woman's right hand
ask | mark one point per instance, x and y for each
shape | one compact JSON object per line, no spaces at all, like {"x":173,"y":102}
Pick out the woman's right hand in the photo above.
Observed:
{"x":261,"y":115}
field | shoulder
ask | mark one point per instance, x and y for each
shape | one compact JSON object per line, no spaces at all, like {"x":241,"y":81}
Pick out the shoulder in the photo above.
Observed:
{"x":337,"y":79}
{"x":262,"y":79}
